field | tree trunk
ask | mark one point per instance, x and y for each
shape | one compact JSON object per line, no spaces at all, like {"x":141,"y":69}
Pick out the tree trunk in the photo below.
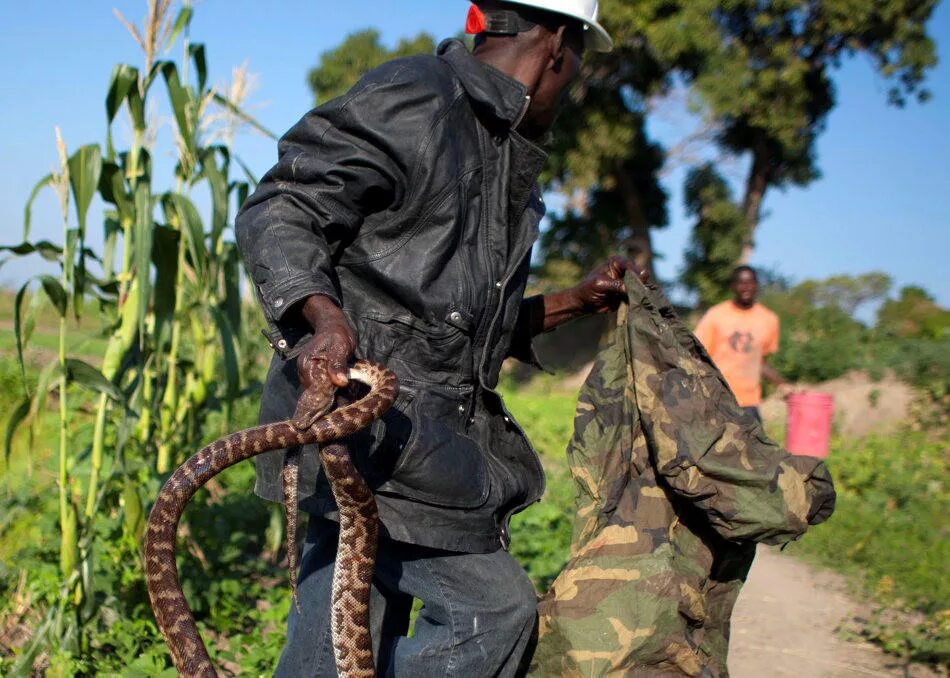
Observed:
{"x":639,"y":245}
{"x":756,"y":185}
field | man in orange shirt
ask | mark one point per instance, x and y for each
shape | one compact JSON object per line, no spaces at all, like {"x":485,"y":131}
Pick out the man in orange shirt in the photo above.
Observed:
{"x":739,"y":334}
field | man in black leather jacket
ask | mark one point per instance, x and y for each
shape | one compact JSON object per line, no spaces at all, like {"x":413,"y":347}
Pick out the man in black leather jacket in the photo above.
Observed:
{"x":397,"y":226}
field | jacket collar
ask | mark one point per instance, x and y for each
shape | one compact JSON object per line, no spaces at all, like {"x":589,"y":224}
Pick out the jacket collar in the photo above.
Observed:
{"x":492,"y":91}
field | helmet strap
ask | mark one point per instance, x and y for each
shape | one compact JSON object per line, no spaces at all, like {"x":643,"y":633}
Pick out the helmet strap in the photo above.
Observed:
{"x":496,"y":22}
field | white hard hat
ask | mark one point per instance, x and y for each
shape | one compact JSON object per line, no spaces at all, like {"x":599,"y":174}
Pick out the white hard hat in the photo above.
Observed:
{"x":595,"y":37}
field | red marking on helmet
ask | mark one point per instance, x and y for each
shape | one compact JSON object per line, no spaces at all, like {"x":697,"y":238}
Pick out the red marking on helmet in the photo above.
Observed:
{"x":475,"y":22}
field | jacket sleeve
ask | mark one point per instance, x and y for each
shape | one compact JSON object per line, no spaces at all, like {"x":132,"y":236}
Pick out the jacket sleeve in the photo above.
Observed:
{"x":529,"y":324}
{"x":343,"y":161}
{"x":708,"y":451}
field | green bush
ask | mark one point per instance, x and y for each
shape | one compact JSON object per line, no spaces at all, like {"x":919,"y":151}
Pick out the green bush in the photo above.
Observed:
{"x":541,"y":535}
{"x":890,"y":530}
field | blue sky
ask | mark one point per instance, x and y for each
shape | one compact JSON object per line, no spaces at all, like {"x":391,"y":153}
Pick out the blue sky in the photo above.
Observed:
{"x":883,"y":202}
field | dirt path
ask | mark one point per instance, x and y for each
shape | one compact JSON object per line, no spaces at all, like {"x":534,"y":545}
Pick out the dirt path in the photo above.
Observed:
{"x":785,"y":625}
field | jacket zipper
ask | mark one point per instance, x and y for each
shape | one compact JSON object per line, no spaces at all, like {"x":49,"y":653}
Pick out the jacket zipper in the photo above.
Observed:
{"x":501,"y":285}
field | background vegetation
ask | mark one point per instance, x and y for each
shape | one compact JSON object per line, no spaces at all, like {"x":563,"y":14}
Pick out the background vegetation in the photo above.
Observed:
{"x":131,"y":358}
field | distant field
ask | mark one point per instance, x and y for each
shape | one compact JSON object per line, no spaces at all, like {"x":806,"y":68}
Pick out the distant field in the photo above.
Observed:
{"x":83,"y":338}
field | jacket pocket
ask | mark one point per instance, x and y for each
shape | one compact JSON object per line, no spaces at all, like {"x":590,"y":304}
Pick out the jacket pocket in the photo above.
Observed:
{"x":422,"y":457}
{"x":416,"y":350}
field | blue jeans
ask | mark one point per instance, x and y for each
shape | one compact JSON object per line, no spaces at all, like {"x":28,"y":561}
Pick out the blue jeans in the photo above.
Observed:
{"x":478,"y":616}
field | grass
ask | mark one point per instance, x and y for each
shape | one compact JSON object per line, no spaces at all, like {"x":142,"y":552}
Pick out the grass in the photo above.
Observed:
{"x":85,"y":336}
{"x":541,"y":535}
{"x":889,"y":534}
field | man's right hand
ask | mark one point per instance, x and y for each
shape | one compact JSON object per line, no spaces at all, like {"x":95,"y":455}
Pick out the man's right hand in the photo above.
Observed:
{"x":333,"y":341}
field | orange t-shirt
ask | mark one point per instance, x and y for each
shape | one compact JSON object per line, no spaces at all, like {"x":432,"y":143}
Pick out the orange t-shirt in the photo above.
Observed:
{"x":737,"y":340}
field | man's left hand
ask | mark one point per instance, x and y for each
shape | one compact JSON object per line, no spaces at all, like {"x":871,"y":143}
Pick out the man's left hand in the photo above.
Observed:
{"x":603,"y":289}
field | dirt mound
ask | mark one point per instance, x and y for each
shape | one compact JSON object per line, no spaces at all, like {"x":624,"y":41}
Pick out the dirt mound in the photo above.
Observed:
{"x":862,"y":405}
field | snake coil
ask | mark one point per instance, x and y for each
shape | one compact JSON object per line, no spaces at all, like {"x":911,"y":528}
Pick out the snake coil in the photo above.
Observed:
{"x":356,"y":556}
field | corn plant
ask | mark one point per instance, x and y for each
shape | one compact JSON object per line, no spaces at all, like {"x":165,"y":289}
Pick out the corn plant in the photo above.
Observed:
{"x":168,"y":284}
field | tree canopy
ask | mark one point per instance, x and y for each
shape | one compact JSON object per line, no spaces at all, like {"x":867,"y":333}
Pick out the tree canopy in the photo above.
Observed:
{"x":768,"y":82}
{"x":759,"y":73}
{"x":342,"y":66}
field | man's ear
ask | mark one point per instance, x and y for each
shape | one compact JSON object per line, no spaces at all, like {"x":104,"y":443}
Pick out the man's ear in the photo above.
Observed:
{"x":556,"y":42}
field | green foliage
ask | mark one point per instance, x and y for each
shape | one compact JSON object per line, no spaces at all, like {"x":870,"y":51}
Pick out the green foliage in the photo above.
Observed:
{"x":915,"y":315}
{"x":820,"y":339}
{"x":716,"y":242}
{"x":541,"y":535}
{"x":342,"y":66}
{"x":169,"y":308}
{"x":613,"y":213}
{"x":236,"y":588}
{"x":817,"y":342}
{"x":889,"y":527}
{"x":768,"y":83}
{"x":601,"y":157}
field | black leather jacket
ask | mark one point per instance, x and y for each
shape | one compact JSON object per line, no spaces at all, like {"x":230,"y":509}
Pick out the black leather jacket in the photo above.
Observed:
{"x":413,"y":203}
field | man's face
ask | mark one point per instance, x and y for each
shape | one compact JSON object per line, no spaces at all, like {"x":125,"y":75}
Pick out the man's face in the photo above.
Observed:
{"x":554,"y":83}
{"x":745,"y":288}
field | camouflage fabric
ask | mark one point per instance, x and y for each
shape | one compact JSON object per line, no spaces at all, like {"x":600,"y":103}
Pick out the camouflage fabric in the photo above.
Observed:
{"x":675,"y":486}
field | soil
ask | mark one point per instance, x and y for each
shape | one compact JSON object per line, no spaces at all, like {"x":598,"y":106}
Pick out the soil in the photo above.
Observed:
{"x":787,"y":623}
{"x":862,"y":405}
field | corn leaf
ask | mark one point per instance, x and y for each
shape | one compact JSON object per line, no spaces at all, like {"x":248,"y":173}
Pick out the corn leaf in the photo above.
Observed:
{"x":121,"y":81}
{"x":112,"y":188}
{"x":241,"y":190}
{"x":136,"y":101}
{"x":27,"y":655}
{"x":232,"y":370}
{"x":111,"y":227}
{"x":17,"y":416}
{"x":251,"y":177}
{"x":57,"y":295}
{"x":69,"y":255}
{"x":85,"y":167}
{"x":143,"y":250}
{"x":44,"y":383}
{"x":87,"y":376}
{"x":183,"y":106}
{"x":232,"y":286}
{"x":22,"y":329}
{"x":165,"y":257}
{"x":218,"y":182}
{"x":44,"y":248}
{"x":181,"y":22}
{"x":221,"y":100}
{"x":197,"y":52}
{"x":27,"y":211}
{"x":182,"y":213}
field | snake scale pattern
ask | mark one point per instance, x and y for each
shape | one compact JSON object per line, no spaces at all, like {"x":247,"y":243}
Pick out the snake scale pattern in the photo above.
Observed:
{"x":356,"y":555}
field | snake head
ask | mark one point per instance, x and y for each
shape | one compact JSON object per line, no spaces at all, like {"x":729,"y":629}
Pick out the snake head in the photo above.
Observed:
{"x":316,"y":400}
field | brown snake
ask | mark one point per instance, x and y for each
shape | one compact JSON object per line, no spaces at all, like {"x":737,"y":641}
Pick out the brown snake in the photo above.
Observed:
{"x":353,"y":573}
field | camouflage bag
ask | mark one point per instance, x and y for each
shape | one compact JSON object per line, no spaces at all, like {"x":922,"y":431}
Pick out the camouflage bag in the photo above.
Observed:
{"x":675,"y":486}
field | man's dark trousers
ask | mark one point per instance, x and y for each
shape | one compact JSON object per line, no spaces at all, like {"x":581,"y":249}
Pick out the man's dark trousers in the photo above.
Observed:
{"x":477,"y":619}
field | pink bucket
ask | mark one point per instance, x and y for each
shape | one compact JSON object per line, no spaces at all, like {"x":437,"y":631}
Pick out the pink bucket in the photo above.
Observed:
{"x":809,"y":423}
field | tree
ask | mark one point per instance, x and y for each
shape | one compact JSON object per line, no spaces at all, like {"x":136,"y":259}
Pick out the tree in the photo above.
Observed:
{"x":601,"y":157}
{"x":769,"y":82}
{"x":914,"y":314}
{"x":818,"y":341}
{"x":342,"y":66}
{"x":717,"y":235}
{"x":848,"y":292}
